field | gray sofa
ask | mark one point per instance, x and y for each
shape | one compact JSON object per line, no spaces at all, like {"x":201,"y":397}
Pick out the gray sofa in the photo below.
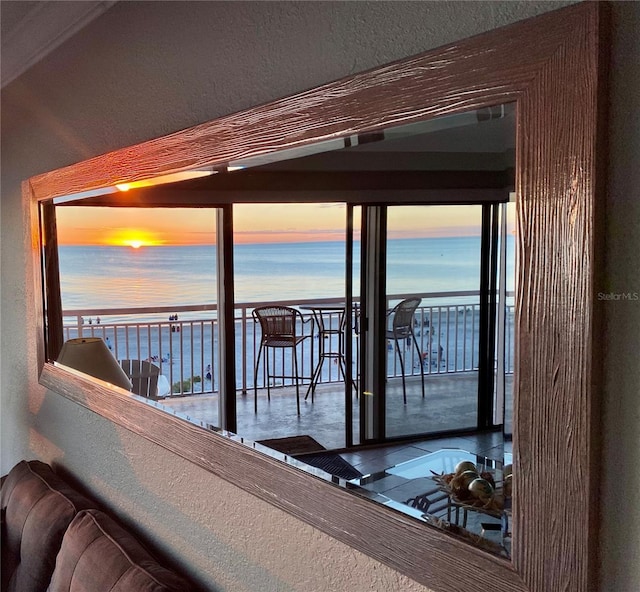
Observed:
{"x":55,"y":539}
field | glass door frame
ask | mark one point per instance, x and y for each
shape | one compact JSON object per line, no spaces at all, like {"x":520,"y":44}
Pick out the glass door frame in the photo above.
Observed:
{"x":373,"y":320}
{"x":373,"y":278}
{"x":349,"y":328}
{"x":371,"y":381}
{"x":227,"y":416}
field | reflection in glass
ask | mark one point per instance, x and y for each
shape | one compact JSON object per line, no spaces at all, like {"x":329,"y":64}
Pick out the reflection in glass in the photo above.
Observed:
{"x":132,"y":286}
{"x":424,"y":195}
{"x":464,"y":493}
{"x":433,"y":254}
{"x":292,"y":255}
{"x":505,"y":342}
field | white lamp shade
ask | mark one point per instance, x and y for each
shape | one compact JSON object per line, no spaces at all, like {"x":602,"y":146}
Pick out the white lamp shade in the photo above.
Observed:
{"x":91,"y":356}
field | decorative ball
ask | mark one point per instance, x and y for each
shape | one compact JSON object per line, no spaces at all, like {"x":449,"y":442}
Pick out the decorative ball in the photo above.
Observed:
{"x":465,"y":465}
{"x":481,"y":488}
{"x":468,"y":476}
{"x":506,"y":486}
{"x":460,"y":483}
{"x":489,"y":477}
{"x":465,"y":478}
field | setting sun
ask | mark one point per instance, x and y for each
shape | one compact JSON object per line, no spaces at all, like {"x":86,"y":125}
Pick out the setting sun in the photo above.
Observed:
{"x":135,"y":228}
{"x":132,"y":237}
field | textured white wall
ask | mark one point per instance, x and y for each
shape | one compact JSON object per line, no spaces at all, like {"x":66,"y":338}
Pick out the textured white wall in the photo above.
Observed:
{"x":620,"y":536}
{"x":145,"y":69}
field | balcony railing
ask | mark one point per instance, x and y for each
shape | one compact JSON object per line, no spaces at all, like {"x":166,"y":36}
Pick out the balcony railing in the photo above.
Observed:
{"x":183,"y":341}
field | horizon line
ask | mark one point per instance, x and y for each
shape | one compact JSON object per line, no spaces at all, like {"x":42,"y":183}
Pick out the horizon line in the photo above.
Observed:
{"x":290,"y":242}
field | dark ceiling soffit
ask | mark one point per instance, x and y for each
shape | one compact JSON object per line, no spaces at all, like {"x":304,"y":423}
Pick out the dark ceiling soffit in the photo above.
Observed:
{"x":341,"y":186}
{"x":210,"y":199}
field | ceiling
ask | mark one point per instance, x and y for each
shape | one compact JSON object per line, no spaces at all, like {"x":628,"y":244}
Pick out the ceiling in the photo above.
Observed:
{"x":31,"y":30}
{"x":462,"y":158}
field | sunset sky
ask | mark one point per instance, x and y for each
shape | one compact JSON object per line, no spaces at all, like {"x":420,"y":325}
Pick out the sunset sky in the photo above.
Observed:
{"x":255,"y":223}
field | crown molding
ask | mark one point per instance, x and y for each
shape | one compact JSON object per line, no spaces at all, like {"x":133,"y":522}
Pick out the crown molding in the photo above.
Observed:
{"x":42,"y":28}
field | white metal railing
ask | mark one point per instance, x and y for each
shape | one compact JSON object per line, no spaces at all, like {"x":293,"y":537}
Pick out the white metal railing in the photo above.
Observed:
{"x":183,"y":341}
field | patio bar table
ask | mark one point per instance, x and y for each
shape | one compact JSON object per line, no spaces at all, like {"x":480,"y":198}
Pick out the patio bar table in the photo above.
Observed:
{"x":326,"y":330}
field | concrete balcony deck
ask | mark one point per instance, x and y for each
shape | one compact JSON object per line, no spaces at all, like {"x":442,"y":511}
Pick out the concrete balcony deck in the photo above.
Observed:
{"x":449,"y":404}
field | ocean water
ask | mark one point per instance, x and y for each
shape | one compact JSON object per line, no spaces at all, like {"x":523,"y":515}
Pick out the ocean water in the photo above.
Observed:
{"x":105,"y":277}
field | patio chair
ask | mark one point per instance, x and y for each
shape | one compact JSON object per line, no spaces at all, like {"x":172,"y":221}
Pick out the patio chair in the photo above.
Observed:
{"x":401,"y":329}
{"x":144,"y":377}
{"x":282,"y":328}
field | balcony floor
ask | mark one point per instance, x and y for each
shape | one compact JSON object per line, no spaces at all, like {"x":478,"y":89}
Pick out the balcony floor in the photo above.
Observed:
{"x":449,"y":404}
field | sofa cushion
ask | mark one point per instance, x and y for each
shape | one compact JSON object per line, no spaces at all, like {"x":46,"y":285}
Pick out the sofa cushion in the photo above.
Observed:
{"x":37,"y":508}
{"x":98,"y":555}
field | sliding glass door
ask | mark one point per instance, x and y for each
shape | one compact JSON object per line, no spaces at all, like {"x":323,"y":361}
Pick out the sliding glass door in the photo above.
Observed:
{"x":401,"y":320}
{"x":433,"y":323}
{"x":289,"y":259}
{"x":429,"y":318}
{"x":386,"y":246}
{"x":505,"y":316}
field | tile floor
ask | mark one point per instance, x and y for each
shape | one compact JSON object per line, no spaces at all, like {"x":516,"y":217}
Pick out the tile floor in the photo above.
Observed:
{"x":381,"y":484}
{"x":449,"y":404}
